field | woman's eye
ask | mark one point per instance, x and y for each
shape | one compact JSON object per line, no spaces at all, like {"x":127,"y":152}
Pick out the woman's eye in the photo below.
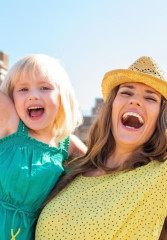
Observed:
{"x":151,"y":99}
{"x":45,"y":88}
{"x":126,"y":93}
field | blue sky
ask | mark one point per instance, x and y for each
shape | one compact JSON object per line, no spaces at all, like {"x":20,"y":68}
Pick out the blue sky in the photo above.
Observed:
{"x":90,"y":37}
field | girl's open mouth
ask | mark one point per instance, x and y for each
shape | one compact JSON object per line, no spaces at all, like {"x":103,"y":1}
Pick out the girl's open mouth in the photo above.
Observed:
{"x":35,"y":112}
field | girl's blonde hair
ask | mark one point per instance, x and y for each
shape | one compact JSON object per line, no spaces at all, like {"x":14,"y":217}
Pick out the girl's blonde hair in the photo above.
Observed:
{"x":69,"y":116}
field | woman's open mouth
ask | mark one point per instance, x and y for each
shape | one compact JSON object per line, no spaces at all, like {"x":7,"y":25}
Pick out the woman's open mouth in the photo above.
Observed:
{"x":132,"y":120}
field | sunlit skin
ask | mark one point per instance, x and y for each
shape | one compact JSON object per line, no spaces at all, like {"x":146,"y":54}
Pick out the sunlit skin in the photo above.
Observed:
{"x":37,"y":92}
{"x":136,"y":98}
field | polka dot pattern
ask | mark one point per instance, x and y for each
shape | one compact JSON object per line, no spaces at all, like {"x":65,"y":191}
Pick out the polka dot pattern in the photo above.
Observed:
{"x":125,"y":205}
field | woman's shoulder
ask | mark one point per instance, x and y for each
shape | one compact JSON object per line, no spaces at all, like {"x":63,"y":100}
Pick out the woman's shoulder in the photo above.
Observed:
{"x":154,"y":170}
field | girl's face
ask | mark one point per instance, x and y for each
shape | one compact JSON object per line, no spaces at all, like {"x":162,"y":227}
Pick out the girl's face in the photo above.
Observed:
{"x":134,"y":114}
{"x":37,"y":102}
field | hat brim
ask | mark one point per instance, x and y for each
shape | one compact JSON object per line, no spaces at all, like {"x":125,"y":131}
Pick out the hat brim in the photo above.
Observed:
{"x":119,"y":76}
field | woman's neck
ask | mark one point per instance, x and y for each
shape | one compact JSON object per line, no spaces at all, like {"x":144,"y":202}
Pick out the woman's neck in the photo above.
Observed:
{"x":119,"y":156}
{"x":116,"y":160}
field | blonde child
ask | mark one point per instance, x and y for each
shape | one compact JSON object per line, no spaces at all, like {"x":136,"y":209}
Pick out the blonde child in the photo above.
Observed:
{"x":38,"y":114}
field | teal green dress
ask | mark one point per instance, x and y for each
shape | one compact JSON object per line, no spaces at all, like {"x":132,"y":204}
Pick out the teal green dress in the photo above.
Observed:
{"x":28,"y":171}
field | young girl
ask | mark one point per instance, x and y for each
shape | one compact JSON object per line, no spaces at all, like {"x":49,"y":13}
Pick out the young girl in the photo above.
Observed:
{"x":38,"y":114}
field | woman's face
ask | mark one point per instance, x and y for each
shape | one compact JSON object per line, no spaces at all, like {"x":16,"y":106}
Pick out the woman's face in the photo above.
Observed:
{"x":134,"y":114}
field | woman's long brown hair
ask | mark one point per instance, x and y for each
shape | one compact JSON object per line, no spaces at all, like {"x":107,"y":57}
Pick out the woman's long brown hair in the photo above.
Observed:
{"x":101,"y":144}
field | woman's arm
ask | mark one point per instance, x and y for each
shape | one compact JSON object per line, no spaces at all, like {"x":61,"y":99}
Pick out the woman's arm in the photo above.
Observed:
{"x":76,"y":148}
{"x":8,"y":116}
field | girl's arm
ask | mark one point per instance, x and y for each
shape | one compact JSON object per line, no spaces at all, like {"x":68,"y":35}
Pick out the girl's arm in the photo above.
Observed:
{"x":8,"y":116}
{"x":76,"y":148}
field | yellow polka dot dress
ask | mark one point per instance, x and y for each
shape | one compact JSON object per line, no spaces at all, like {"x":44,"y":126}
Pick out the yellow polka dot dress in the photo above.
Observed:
{"x":126,"y":205}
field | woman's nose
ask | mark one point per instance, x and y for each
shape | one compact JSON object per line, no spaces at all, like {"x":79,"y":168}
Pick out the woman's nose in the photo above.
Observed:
{"x":135,"y":101}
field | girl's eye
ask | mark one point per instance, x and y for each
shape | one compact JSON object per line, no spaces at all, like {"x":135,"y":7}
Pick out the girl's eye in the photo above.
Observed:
{"x":23,"y":90}
{"x":45,"y":88}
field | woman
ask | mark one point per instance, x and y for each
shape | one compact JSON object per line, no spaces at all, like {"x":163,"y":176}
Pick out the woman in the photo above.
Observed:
{"x":118,"y":190}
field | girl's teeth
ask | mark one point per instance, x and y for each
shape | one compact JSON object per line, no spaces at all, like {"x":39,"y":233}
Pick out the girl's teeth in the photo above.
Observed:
{"x":34,"y":108}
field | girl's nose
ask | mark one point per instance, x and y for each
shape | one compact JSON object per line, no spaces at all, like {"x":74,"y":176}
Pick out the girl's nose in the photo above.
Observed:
{"x":33,"y":95}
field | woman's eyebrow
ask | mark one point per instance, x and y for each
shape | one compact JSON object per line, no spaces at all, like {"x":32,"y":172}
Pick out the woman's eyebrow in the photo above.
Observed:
{"x":128,"y":86}
{"x":150,"y":91}
{"x":132,"y":87}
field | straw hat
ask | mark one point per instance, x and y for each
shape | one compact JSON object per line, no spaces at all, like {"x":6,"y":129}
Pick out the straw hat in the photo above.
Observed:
{"x":144,"y":70}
